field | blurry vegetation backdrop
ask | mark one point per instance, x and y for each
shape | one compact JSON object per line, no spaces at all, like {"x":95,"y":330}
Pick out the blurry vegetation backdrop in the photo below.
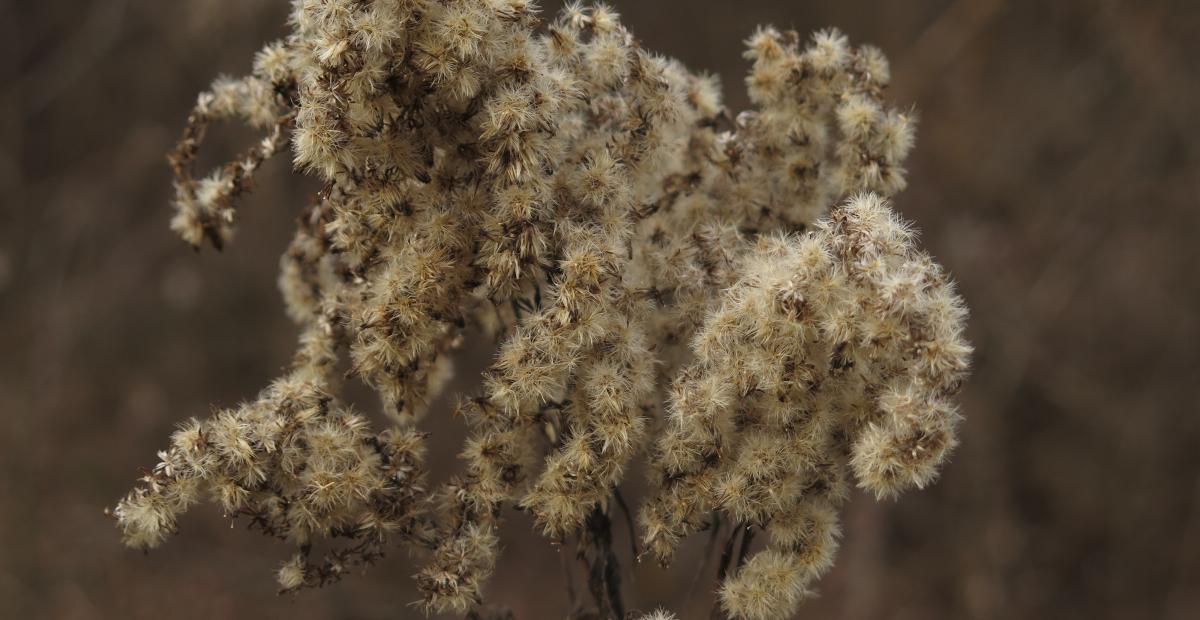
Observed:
{"x":1056,"y":176}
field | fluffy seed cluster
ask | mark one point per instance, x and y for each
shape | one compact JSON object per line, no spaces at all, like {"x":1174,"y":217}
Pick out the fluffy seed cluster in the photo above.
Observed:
{"x":642,"y":258}
{"x":298,"y":466}
{"x":834,"y":355}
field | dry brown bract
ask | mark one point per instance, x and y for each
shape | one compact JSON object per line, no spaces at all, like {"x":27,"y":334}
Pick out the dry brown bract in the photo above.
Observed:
{"x":593,"y":207}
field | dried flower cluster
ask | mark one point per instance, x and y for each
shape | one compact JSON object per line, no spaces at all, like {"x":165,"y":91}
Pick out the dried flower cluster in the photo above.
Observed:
{"x":643,"y":260}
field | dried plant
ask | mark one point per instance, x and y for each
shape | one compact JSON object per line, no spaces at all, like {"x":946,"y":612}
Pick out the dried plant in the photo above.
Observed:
{"x":643,"y":260}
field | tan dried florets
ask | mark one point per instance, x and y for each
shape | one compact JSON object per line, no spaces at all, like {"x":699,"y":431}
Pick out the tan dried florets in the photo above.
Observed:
{"x":833,"y":355}
{"x":630,"y":245}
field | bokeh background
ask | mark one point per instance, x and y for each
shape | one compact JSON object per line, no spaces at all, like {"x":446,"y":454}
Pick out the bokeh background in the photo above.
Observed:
{"x":1057,"y":176}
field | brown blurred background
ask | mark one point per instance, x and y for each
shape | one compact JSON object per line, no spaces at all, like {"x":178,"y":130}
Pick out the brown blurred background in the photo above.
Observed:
{"x":1056,"y":175}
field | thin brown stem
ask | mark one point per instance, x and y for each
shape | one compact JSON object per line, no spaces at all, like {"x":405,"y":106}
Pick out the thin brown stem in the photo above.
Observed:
{"x":633,"y":546}
{"x":604,"y":571}
{"x":714,"y":532}
{"x":723,"y":568}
